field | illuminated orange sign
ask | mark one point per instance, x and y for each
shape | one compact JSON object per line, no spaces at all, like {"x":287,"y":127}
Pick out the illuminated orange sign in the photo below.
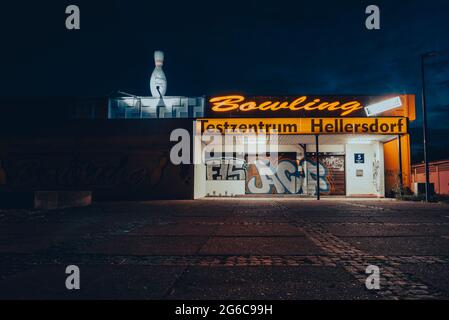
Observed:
{"x":304,"y":125}
{"x":303,"y":103}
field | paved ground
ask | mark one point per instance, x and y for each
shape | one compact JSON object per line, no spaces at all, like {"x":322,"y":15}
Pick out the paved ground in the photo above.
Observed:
{"x":234,"y":249}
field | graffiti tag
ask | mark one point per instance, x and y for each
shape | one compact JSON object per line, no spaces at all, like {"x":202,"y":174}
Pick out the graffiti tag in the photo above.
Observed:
{"x":226,"y":169}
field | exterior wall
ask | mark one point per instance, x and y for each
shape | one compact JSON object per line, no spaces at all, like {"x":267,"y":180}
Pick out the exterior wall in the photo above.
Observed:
{"x":336,"y":148}
{"x":391,"y":162}
{"x":120,"y":160}
{"x":154,"y":108}
{"x":380,"y":167}
{"x":199,"y":178}
{"x":116,"y":160}
{"x":439,"y":176}
{"x":406,"y":161}
{"x":225,"y":188}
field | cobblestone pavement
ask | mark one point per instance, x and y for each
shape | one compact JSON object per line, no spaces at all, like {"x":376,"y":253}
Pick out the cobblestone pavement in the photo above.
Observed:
{"x":228,"y":249}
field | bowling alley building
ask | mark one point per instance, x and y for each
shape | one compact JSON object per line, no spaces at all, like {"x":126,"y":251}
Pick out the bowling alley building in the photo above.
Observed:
{"x":119,"y":147}
{"x":127,"y":147}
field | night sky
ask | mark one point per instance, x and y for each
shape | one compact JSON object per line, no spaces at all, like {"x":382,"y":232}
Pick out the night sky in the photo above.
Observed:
{"x":214,"y":47}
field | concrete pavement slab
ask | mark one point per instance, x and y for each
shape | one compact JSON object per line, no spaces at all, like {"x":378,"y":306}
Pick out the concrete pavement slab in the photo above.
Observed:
{"x":388,"y":229}
{"x":135,"y":245}
{"x":273,"y":229}
{"x":401,"y":245}
{"x":176,"y":229}
{"x":96,"y":282}
{"x":268,"y":283}
{"x":436,"y":275}
{"x":260,"y":245}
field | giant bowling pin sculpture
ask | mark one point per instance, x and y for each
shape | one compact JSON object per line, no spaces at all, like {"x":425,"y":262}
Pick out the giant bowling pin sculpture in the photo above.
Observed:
{"x":158,"y":82}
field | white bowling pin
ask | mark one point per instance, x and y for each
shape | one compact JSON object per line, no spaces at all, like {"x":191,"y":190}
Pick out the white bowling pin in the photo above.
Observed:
{"x":158,"y":82}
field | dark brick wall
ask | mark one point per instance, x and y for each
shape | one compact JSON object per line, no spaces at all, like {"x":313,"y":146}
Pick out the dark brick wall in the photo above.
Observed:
{"x":115,"y":159}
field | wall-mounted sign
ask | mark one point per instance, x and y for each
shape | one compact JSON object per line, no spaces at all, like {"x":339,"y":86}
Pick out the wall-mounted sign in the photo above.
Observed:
{"x":359,"y":158}
{"x":238,"y":106}
{"x":303,"y":125}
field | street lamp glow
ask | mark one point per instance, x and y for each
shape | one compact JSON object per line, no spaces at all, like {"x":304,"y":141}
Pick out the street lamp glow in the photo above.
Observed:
{"x":383,"y":106}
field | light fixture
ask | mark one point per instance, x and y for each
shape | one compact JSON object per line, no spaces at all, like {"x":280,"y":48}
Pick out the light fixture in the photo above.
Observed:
{"x":383,"y":106}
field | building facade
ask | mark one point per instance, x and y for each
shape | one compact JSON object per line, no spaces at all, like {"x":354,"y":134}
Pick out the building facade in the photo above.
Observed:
{"x":324,"y":145}
{"x":438,"y":174}
{"x":119,"y":148}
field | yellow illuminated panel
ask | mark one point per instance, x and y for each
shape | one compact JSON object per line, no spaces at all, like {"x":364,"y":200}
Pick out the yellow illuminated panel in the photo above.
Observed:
{"x":235,"y":102}
{"x":312,"y":106}
{"x":304,"y":125}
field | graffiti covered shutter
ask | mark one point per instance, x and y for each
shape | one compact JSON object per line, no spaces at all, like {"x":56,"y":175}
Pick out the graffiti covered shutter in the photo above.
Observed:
{"x":335,"y":165}
{"x":274,"y":175}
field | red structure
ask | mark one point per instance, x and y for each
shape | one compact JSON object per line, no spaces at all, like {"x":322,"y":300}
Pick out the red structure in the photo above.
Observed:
{"x":439,"y":175}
